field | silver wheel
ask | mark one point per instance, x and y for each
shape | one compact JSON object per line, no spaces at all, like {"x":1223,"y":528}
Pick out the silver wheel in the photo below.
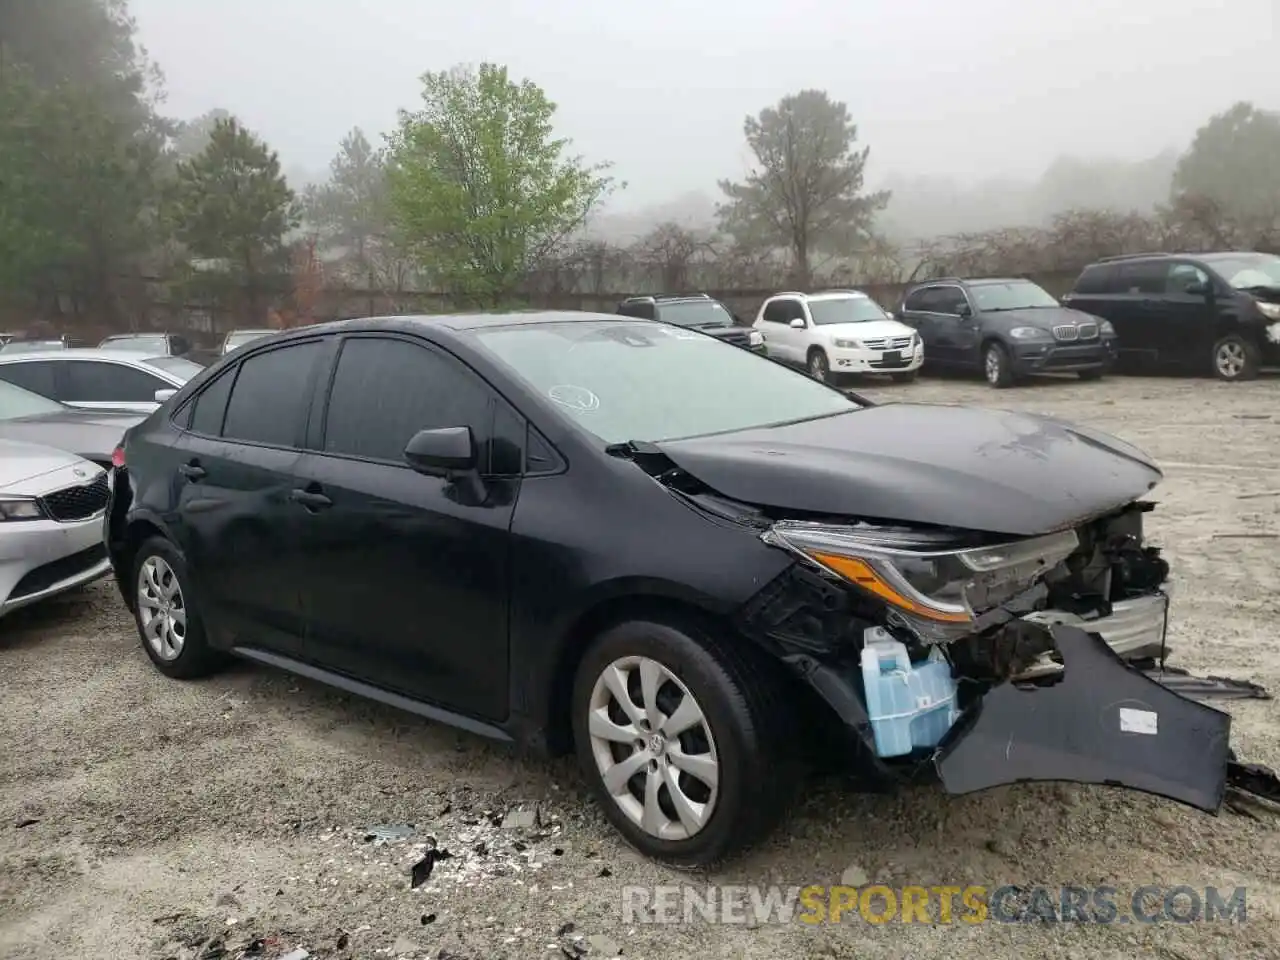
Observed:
{"x":818,"y":367}
{"x":162,"y":612}
{"x":653,"y":748}
{"x":1230,"y":359}
{"x":994,"y":365}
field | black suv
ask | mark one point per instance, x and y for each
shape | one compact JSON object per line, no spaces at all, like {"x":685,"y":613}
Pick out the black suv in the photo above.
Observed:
{"x":698,"y":312}
{"x":1008,"y":328}
{"x":1192,"y":312}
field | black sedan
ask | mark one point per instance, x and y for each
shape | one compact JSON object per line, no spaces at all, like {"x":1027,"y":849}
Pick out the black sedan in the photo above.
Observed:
{"x":672,"y":556}
{"x":91,"y":434}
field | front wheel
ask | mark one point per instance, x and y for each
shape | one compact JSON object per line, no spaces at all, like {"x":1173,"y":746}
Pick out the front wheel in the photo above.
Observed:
{"x":166,"y":614}
{"x":997,"y":366}
{"x":819,"y":367}
{"x":681,"y":740}
{"x":1235,"y":358}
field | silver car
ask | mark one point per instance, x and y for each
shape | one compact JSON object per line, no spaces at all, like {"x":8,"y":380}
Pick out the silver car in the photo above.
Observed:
{"x":99,"y":379}
{"x":51,"y":509}
{"x":238,"y":338}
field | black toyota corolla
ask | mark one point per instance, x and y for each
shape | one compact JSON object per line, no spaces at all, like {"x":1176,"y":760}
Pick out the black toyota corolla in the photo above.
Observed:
{"x":674,"y":557}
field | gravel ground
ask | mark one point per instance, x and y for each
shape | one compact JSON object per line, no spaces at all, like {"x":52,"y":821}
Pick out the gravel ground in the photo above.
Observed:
{"x":142,"y":817}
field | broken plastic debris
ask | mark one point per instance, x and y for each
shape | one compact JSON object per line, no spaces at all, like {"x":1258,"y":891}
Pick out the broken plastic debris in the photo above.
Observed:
{"x":421,"y":871}
{"x":520,"y":820}
{"x":389,"y":832}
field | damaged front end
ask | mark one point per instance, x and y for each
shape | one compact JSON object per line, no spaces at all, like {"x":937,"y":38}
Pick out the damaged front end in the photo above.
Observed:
{"x":990,"y":663}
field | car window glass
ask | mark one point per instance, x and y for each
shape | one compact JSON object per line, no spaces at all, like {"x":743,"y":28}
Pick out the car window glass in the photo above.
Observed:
{"x":775,"y":311}
{"x":947,"y":300}
{"x":917,"y":300}
{"x":795,"y":310}
{"x":269,"y":401}
{"x":1146,"y":277}
{"x":33,"y":375}
{"x":211,"y":406}
{"x":1183,"y":276}
{"x":94,"y":381}
{"x":1094,"y":280}
{"x":386,"y":390}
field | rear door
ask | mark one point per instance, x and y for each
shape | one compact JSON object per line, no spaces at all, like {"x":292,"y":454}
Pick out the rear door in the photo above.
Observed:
{"x":101,"y":384}
{"x":241,"y":532}
{"x":1140,"y":312}
{"x":407,"y":584}
{"x":38,"y":376}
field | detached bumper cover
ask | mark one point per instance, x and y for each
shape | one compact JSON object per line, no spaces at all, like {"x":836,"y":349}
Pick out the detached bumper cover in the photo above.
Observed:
{"x":1099,"y":722}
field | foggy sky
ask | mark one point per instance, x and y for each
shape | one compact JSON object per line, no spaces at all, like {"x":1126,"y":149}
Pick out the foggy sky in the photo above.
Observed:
{"x":938,"y":87}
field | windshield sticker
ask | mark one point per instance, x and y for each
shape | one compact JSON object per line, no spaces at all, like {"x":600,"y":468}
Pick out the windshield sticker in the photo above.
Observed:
{"x":578,"y":399}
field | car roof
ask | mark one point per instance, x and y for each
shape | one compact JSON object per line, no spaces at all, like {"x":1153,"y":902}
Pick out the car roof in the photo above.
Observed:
{"x":91,"y":353}
{"x":454,"y":322}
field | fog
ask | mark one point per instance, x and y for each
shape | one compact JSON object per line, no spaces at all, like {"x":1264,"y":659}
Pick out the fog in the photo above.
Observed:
{"x":947,"y":95}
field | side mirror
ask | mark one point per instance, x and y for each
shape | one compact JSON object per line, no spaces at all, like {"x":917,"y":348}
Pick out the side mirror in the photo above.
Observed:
{"x":964,"y":310}
{"x":441,"y":453}
{"x":889,"y":314}
{"x":797,"y":324}
{"x":163,"y":395}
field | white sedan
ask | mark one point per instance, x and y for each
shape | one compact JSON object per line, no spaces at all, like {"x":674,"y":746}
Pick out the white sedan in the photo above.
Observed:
{"x":51,"y":509}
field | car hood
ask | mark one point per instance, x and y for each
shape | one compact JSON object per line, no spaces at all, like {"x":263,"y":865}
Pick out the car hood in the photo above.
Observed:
{"x":1046,"y":318}
{"x":867,"y":330}
{"x":22,"y":463}
{"x":1016,"y":474}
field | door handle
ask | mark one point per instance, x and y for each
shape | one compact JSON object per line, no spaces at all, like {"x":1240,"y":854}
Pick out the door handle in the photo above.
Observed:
{"x":310,"y":499}
{"x":193,"y":471}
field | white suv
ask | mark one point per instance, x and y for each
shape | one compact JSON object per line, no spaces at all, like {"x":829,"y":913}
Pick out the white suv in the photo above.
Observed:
{"x":838,"y":332}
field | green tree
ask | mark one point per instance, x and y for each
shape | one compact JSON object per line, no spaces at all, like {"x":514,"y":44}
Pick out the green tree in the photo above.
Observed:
{"x":79,"y":145}
{"x":1232,"y":162}
{"x":805,"y":193}
{"x":481,"y":190}
{"x":231,"y":205}
{"x":350,"y":211}
{"x":192,"y":136}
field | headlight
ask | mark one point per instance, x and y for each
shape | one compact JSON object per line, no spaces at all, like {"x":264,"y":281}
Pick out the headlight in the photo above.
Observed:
{"x":19,"y":508}
{"x":1027,"y":333}
{"x":755,"y":338}
{"x":934,"y":590}
{"x":1269,"y":310}
{"x":849,"y":344}
{"x":1106,"y":329}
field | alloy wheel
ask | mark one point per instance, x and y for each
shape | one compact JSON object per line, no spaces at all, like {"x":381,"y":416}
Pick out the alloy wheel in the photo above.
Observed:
{"x":818,"y":367}
{"x":653,"y":748}
{"x":162,"y":611}
{"x":1230,"y":359}
{"x":993,"y":365}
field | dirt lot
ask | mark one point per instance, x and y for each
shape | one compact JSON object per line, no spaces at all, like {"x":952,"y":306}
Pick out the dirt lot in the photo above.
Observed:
{"x":167,"y":815}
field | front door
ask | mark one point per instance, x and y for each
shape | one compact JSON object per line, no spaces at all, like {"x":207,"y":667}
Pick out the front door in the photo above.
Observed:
{"x":407,"y":583}
{"x":235,"y":522}
{"x":1185,"y":328}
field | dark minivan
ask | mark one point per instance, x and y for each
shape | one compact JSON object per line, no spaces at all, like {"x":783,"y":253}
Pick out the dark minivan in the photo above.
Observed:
{"x":681,"y":560}
{"x":1188,"y":312}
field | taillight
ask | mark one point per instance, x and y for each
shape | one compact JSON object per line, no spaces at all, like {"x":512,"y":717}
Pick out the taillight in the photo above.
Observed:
{"x":117,"y":456}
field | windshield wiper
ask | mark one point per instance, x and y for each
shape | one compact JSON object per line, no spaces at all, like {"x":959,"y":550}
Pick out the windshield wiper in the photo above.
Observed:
{"x":1262,"y":288}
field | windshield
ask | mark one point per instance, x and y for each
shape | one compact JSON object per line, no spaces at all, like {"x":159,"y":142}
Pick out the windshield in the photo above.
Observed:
{"x":149,"y":344}
{"x":16,"y":402}
{"x":845,"y":310}
{"x":1015,"y":295}
{"x":1247,"y":270}
{"x":696,"y":313}
{"x":30,"y":346}
{"x":627,"y":380}
{"x":179,"y":367}
{"x":242,"y":337}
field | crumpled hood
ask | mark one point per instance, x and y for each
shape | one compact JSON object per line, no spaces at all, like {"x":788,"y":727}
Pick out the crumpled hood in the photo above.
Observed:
{"x":1016,"y":474}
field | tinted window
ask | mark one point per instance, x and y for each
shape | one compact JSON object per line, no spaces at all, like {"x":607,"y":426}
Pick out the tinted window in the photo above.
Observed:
{"x":384,"y":391}
{"x":211,"y":406}
{"x":1095,"y":280}
{"x":34,"y":375}
{"x":946,"y":300}
{"x":92,"y":381}
{"x":918,"y":300}
{"x":1183,"y":277}
{"x":269,"y":402}
{"x":1143,"y":277}
{"x":644,"y":310}
{"x":778,"y":311}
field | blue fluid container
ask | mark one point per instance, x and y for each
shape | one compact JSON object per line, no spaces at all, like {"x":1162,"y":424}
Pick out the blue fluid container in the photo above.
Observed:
{"x":911,"y":705}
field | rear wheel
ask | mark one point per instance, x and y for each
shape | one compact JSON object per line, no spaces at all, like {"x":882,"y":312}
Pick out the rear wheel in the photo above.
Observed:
{"x":167,"y":617}
{"x":997,"y":366}
{"x":682,"y":741}
{"x":1235,"y":358}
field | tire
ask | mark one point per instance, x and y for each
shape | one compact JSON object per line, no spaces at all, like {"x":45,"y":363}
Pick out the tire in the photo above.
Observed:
{"x":1235,"y":358}
{"x":1090,"y":375}
{"x":162,"y":592}
{"x":742,"y":733}
{"x":818,"y":366}
{"x":996,"y":366}
{"x":909,"y":377}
